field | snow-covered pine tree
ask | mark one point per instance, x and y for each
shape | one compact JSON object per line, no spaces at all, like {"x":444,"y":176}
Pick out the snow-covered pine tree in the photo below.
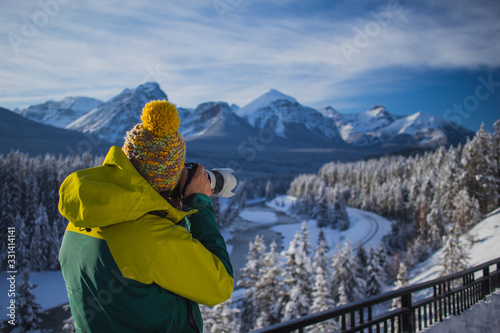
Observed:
{"x":402,"y":280}
{"x":495,"y":148}
{"x":467,"y":212}
{"x":29,"y":310}
{"x":298,"y":275}
{"x":454,"y":257}
{"x":382,"y":262}
{"x":321,"y":257}
{"x":249,"y":276}
{"x":322,"y":301}
{"x":437,"y":222}
{"x":481,"y":171}
{"x":320,"y":212}
{"x":346,"y":274}
{"x":343,"y":298}
{"x":375,"y":281}
{"x":450,"y":181}
{"x":268,"y":291}
{"x":222,"y":318}
{"x":362,"y":257}
{"x":340,"y":217}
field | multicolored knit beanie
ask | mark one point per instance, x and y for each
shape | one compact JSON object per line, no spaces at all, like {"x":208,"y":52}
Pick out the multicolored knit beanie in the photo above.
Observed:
{"x":155,"y":146}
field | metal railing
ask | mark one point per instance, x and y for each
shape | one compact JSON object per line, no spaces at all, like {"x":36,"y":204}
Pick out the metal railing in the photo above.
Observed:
{"x":449,"y":295}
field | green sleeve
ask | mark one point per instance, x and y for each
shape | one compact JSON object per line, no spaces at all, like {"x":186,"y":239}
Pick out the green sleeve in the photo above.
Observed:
{"x":205,"y":229}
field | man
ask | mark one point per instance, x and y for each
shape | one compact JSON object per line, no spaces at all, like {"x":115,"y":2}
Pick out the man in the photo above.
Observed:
{"x":131,"y":261}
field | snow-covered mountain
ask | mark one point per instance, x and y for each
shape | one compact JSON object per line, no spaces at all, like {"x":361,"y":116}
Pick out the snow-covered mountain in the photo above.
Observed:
{"x":111,"y":120}
{"x":211,"y":119}
{"x":287,"y":124}
{"x":378,"y":127}
{"x":287,"y":118}
{"x":60,"y":113}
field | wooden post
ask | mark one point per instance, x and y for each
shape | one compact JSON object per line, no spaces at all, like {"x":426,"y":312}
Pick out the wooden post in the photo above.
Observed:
{"x":485,"y":286}
{"x":407,"y":317}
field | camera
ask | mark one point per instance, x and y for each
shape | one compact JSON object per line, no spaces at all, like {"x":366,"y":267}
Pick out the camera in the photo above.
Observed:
{"x":222,"y":180}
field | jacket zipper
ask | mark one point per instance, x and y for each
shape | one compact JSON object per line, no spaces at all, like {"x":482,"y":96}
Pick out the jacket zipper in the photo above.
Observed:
{"x":191,"y":320}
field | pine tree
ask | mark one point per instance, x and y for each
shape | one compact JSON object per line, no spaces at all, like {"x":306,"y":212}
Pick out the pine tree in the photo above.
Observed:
{"x":481,"y":171}
{"x":298,"y":275}
{"x":401,"y":281}
{"x":362,"y":257}
{"x":321,"y":258}
{"x":467,"y":211}
{"x":450,"y":181}
{"x":340,"y":217}
{"x":268,"y":291}
{"x":454,"y":257}
{"x":250,"y":274}
{"x":322,"y":301}
{"x":346,"y":274}
{"x":375,"y":275}
{"x":382,"y":263}
{"x":437,"y":221}
{"x":320,"y":212}
{"x":222,"y":318}
{"x":29,"y":310}
{"x":495,"y":148}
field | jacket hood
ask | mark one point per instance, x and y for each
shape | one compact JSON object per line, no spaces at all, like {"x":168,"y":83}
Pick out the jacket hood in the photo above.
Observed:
{"x":111,"y":193}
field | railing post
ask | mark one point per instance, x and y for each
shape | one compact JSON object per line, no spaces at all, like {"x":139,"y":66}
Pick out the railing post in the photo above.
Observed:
{"x":407,"y":317}
{"x":485,"y":288}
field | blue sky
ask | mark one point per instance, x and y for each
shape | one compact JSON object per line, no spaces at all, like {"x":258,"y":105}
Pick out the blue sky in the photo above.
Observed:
{"x":440,"y":57}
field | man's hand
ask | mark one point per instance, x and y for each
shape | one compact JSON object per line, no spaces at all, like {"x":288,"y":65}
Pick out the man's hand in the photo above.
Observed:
{"x":199,"y":183}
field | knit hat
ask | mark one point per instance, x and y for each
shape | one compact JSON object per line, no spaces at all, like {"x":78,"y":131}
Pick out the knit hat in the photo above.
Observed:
{"x":155,"y":146}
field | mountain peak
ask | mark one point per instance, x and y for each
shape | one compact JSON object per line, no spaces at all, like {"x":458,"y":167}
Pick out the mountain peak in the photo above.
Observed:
{"x":264,"y":100}
{"x":146,"y":89}
{"x":378,"y":111}
{"x":329,"y":112}
{"x":274,"y":95}
{"x":149,"y":86}
{"x":112,"y":119}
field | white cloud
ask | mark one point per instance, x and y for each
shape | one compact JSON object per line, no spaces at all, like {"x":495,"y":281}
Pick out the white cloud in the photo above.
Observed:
{"x":99,"y":48}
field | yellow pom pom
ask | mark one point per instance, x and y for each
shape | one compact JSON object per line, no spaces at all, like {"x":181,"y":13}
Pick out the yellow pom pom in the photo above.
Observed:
{"x":160,"y":118}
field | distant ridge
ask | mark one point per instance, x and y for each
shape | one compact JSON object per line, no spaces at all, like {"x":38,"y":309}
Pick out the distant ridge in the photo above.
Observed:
{"x":20,"y":134}
{"x":274,"y":133}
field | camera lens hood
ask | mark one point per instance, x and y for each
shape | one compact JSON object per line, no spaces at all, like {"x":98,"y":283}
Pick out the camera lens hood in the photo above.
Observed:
{"x":222,"y":181}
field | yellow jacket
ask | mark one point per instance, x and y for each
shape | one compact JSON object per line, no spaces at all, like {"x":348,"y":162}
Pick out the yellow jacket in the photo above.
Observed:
{"x":126,"y":253}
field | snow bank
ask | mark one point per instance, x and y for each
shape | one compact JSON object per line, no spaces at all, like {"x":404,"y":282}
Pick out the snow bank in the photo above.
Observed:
{"x":486,"y":247}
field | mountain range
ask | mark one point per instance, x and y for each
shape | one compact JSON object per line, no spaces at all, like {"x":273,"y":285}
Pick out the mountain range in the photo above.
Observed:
{"x":271,"y":129}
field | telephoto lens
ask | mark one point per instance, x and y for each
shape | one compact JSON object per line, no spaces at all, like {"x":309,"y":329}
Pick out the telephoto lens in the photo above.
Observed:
{"x":222,"y":181}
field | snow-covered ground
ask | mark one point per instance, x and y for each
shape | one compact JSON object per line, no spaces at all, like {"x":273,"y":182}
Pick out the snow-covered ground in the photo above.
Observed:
{"x":366,"y":228}
{"x":486,"y":247}
{"x":483,"y":317}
